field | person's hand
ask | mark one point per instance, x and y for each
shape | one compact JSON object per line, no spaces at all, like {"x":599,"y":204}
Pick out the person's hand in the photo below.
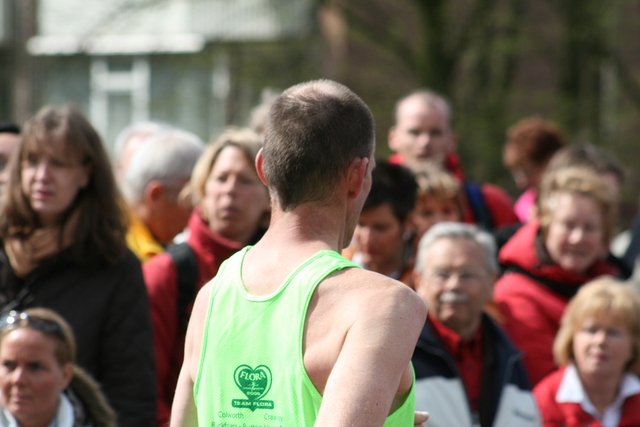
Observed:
{"x":420,"y":417}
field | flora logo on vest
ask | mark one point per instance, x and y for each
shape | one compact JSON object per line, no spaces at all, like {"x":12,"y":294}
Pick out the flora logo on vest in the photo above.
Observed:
{"x":255,"y":384}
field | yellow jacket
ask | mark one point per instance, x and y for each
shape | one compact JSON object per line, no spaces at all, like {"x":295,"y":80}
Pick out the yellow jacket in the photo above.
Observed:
{"x":141,"y":241}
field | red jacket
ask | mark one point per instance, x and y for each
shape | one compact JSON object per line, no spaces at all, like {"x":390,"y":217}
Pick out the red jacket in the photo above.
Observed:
{"x":161,"y":278}
{"x":498,"y":202}
{"x":568,"y":414}
{"x":532,"y":309}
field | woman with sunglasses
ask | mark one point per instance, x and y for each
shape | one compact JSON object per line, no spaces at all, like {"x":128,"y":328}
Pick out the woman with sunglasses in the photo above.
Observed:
{"x":39,"y":382}
{"x":62,"y":246}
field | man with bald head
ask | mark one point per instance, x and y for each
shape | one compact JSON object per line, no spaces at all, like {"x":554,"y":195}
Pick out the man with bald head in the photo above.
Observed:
{"x":423,"y":130}
{"x":289,"y":332}
{"x":423,"y":133}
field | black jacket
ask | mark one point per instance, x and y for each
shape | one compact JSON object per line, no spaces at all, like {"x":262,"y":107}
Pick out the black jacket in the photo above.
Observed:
{"x":108,"y":308}
{"x":506,"y":398}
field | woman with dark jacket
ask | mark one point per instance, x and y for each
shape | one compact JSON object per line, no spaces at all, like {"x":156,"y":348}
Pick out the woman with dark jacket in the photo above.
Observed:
{"x":62,"y":247}
{"x":547,"y":261}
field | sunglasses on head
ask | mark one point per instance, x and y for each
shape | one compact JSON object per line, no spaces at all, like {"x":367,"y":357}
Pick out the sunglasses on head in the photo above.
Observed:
{"x":16,"y":319}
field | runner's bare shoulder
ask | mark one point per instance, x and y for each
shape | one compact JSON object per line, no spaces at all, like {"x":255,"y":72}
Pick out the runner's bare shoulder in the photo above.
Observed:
{"x":371,"y":295}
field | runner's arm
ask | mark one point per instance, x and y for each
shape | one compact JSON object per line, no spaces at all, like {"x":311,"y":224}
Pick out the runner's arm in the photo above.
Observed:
{"x":375,"y":356}
{"x":183,"y":411}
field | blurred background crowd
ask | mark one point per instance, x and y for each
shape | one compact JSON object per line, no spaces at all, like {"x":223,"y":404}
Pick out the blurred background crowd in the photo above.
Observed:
{"x":505,"y":194}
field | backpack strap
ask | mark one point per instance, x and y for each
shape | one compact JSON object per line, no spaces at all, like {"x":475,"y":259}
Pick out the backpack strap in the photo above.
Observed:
{"x":633,"y":249}
{"x":478,"y":206}
{"x":187,"y":267}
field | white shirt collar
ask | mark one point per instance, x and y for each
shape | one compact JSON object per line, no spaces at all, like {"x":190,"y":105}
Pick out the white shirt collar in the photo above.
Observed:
{"x":571,"y":390}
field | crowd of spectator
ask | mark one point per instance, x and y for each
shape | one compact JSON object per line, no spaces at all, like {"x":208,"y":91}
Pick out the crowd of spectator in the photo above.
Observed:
{"x":532,"y":320}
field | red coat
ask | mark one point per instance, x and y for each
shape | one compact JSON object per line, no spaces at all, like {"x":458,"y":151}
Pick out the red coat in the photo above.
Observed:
{"x":497,"y":200}
{"x":568,"y":414}
{"x":531,"y":309}
{"x":161,"y":278}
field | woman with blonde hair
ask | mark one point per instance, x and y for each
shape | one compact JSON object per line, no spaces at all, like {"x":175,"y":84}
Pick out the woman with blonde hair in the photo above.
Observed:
{"x":548,"y":259}
{"x":40,"y":384}
{"x":231,"y":210}
{"x":598,"y":349}
{"x":439,"y":199}
{"x":62,"y":246}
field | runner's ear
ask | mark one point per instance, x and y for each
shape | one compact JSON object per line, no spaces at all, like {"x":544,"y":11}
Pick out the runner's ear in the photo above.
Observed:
{"x":356,"y":173}
{"x":259,"y":169}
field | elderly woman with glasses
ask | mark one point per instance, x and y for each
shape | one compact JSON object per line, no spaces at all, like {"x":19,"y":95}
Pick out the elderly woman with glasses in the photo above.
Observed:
{"x":598,"y":349}
{"x":40,"y":386}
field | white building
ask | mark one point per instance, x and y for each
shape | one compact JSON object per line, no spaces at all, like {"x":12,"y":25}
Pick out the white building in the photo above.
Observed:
{"x":197,"y":64}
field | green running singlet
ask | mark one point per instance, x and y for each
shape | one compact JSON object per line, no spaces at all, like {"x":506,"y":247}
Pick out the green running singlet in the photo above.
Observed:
{"x":251,"y":371}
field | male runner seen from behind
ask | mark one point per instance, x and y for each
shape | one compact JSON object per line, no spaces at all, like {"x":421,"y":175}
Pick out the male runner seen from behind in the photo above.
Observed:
{"x":289,"y":333}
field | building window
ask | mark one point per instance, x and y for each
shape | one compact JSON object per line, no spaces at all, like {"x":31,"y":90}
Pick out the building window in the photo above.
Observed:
{"x":119,"y":93}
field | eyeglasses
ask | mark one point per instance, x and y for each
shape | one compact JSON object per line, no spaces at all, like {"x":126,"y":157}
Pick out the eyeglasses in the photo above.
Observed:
{"x":441,"y":277}
{"x":15,"y":319}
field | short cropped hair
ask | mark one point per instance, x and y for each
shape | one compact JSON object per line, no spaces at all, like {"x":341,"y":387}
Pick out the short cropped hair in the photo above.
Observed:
{"x":577,"y":180}
{"x":65,"y":343}
{"x":314,"y":131}
{"x":436,"y":182}
{"x":604,"y":297}
{"x":533,"y":141}
{"x":244,"y":139}
{"x":395,"y":185}
{"x":167,"y":157}
{"x":430,"y":98}
{"x":588,"y":156}
{"x":455,"y":231}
